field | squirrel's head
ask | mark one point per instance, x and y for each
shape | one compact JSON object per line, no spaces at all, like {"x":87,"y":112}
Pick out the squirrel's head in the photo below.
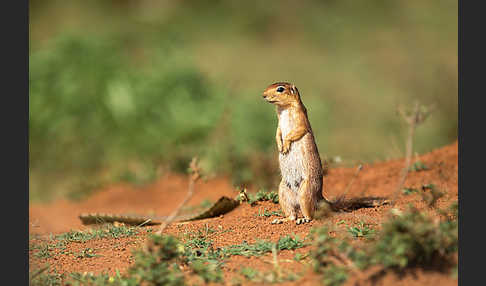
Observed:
{"x":281,"y":94}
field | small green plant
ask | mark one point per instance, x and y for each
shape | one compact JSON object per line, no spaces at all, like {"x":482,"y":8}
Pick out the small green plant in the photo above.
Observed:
{"x":47,"y":249}
{"x":341,"y":222}
{"x":361,"y":230}
{"x":263,"y":195}
{"x":198,"y":247}
{"x":418,"y":166}
{"x":290,"y":243}
{"x":409,"y":191}
{"x":43,"y":251}
{"x":261,"y":247}
{"x":267,"y":213}
{"x":86,"y":253}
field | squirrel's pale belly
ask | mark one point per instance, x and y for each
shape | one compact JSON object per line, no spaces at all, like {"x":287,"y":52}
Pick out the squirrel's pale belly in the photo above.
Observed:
{"x":302,"y":162}
{"x":292,"y":165}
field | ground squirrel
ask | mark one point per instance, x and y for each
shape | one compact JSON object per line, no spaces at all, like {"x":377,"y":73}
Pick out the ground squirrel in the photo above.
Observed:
{"x":300,"y":163}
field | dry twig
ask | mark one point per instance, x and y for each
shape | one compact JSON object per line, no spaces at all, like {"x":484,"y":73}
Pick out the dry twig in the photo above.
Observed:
{"x":193,"y":177}
{"x":417,"y":117}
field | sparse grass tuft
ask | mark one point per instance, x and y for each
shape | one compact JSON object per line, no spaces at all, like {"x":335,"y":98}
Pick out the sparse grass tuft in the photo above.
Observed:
{"x":109,"y":231}
{"x":43,"y":251}
{"x":290,"y":243}
{"x":261,"y":247}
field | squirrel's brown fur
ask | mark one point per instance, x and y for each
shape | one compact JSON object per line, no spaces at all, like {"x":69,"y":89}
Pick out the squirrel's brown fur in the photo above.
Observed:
{"x":300,"y":164}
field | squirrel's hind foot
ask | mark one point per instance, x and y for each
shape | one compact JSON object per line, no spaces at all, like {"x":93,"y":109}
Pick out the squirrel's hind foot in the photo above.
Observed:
{"x":277,"y":221}
{"x":281,"y":220}
{"x":297,"y":221}
{"x":302,"y":220}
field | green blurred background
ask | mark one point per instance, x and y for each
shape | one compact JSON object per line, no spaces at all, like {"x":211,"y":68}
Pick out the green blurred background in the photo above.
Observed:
{"x":131,"y":90}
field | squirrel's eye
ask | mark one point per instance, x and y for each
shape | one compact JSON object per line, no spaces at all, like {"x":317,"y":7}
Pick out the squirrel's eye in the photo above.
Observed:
{"x":280,"y":89}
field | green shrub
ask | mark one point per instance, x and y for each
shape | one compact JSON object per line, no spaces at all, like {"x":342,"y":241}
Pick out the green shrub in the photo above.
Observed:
{"x":90,"y":108}
{"x":414,"y":239}
{"x":409,"y":239}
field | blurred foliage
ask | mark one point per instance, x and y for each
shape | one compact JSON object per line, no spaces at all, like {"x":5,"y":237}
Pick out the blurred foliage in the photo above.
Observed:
{"x":131,"y":89}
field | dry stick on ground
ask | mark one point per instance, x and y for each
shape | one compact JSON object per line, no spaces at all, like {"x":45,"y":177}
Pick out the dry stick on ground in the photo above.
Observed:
{"x":193,"y":177}
{"x":416,"y":118}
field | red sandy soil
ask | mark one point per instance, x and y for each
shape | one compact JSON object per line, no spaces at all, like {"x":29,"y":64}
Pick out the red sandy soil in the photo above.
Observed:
{"x":242,"y":224}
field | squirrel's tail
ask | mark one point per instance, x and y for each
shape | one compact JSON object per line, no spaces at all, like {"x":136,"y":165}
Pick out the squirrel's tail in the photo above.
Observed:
{"x":342,"y":204}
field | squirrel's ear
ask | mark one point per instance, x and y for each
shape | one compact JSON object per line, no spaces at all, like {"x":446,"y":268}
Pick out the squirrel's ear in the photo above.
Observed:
{"x":293,"y":89}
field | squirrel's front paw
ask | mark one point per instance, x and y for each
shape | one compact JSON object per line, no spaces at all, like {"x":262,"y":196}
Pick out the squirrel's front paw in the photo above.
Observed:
{"x":285,"y":147}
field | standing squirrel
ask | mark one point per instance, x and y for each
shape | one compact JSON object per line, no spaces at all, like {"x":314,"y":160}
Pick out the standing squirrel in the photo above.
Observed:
{"x":300,"y":163}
